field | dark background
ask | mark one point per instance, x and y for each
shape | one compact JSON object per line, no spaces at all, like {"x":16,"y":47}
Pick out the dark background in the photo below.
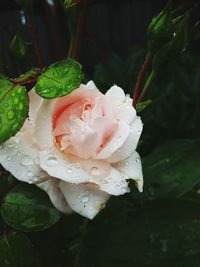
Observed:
{"x":111,"y":26}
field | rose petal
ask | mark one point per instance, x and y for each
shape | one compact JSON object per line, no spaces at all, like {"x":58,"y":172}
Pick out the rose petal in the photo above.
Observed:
{"x":85,"y":200}
{"x":119,"y":137}
{"x":130,"y":144}
{"x":55,"y":194}
{"x":115,"y":95}
{"x":125,"y":112}
{"x":114,"y":184}
{"x":83,"y":139}
{"x":132,"y":169}
{"x":34,"y":103}
{"x":43,"y":124}
{"x":91,"y":85}
{"x":57,"y":166}
{"x":19,"y":155}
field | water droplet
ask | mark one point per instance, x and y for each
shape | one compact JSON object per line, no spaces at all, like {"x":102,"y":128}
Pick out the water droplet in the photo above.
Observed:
{"x":19,"y":90}
{"x":77,"y":165}
{"x":29,"y":174}
{"x":16,"y":101}
{"x":10,"y":114}
{"x":85,"y":199}
{"x":15,"y":139}
{"x":95,"y":171}
{"x":26,"y":160}
{"x":20,"y":106}
{"x":137,"y":159}
{"x":52,"y":161}
{"x":9,"y":158}
{"x":69,"y":170}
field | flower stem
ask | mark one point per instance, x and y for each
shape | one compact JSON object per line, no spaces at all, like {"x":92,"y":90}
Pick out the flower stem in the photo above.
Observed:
{"x":139,"y":80}
{"x":29,"y":15}
{"x":147,"y":85}
{"x":76,"y":39}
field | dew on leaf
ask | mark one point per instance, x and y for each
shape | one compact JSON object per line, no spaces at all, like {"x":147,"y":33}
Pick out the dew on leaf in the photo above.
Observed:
{"x":10,"y":114}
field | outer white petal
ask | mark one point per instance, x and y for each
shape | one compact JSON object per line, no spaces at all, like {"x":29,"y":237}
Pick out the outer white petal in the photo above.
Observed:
{"x":19,"y":155}
{"x":55,"y":194}
{"x":115,"y":183}
{"x":34,"y":103}
{"x":132,"y":169}
{"x":91,"y":85}
{"x":125,"y":112}
{"x":57,"y":166}
{"x":130,"y":144}
{"x":115,"y":95}
{"x":85,"y":200}
{"x":43,"y":124}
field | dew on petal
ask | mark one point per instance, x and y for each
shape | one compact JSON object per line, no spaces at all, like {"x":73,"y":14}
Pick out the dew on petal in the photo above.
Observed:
{"x":95,"y":170}
{"x":29,"y":174}
{"x":52,"y":161}
{"x":69,"y":170}
{"x":26,"y":161}
{"x":85,"y":199}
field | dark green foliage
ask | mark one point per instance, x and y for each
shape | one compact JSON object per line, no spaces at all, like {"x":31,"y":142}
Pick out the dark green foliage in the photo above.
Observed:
{"x":167,"y":233}
{"x":17,"y":251}
{"x":27,"y":208}
{"x":18,"y":47}
{"x":172,"y":169}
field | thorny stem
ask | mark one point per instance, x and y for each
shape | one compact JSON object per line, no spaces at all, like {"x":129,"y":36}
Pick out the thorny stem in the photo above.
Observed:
{"x":139,"y":80}
{"x":147,"y":85}
{"x":77,"y":37}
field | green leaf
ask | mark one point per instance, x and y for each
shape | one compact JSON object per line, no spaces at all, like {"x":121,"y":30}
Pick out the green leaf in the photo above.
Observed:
{"x":59,"y":79}
{"x":142,"y":105}
{"x":13,"y":108}
{"x":167,"y":233}
{"x":172,"y":169}
{"x":28,"y":208}
{"x":17,"y":251}
{"x":32,"y":73}
{"x":18,"y":47}
{"x":7,"y":182}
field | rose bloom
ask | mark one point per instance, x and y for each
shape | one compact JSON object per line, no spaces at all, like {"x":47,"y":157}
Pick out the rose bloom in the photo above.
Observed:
{"x":79,"y":148}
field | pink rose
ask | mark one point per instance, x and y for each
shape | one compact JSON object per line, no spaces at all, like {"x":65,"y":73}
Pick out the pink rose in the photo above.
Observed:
{"x":79,"y":148}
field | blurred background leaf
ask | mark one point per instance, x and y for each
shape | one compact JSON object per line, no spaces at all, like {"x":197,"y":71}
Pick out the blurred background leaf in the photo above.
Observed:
{"x":27,"y":208}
